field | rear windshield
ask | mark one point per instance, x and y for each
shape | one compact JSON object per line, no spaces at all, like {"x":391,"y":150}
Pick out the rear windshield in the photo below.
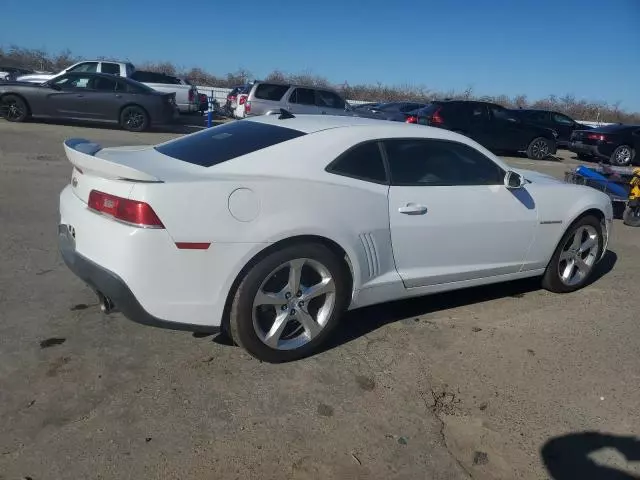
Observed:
{"x":270,"y":91}
{"x":224,"y":142}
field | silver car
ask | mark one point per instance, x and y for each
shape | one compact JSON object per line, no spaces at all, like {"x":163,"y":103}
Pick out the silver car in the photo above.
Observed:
{"x":265,"y":98}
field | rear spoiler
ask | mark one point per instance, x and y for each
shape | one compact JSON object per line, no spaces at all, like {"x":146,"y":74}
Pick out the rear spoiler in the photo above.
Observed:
{"x":82,"y":154}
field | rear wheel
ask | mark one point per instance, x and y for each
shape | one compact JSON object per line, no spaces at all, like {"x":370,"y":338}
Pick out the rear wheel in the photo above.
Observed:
{"x":622,"y":156}
{"x":134,"y":119}
{"x":539,"y":148}
{"x":575,"y":257}
{"x":14,"y":108}
{"x":631,"y":216}
{"x":289,"y":303}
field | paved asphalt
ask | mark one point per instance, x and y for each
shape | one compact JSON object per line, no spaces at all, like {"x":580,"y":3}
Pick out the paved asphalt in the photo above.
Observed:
{"x":500,"y":382}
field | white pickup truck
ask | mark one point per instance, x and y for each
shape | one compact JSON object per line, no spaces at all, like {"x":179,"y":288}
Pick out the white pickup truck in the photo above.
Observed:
{"x":186,"y":95}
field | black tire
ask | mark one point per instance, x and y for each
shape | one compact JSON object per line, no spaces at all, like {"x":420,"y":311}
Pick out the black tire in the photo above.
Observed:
{"x":622,"y":156}
{"x":134,"y":119}
{"x":14,"y":109}
{"x":540,"y":148}
{"x":241,"y":325}
{"x":551,"y":280}
{"x":631,"y":216}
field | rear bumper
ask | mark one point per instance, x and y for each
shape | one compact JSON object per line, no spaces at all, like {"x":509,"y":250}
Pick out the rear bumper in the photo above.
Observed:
{"x":107,"y":283}
{"x":584,"y":149}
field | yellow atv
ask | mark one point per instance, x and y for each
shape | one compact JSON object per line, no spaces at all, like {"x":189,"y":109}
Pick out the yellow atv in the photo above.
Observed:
{"x":631,"y":215}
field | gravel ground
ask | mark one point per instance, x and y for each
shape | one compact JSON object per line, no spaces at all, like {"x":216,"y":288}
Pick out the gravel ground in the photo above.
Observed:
{"x":489,"y":383}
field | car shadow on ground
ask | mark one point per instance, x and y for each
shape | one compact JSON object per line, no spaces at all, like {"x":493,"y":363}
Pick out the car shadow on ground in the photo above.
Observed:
{"x":568,"y":457}
{"x":358,"y":323}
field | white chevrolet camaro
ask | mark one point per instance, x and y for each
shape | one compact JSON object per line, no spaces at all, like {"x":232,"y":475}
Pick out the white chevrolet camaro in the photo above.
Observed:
{"x":270,"y":228}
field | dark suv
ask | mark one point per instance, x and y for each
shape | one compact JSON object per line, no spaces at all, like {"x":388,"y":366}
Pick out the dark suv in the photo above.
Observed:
{"x":492,"y":126}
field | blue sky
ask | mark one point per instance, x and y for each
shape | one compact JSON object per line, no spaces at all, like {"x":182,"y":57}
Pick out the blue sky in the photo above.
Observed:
{"x":587,"y":48}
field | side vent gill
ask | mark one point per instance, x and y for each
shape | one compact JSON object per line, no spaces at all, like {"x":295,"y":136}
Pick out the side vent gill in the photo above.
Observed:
{"x":371,"y":252}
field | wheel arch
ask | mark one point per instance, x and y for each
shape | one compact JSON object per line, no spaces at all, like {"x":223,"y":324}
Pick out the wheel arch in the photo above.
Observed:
{"x":340,"y":252}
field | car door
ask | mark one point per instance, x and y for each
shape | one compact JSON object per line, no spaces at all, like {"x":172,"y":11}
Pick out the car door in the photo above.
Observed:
{"x":68,"y":97}
{"x":451,"y":217}
{"x":564,"y":126}
{"x":473,"y":120}
{"x":104,"y":98}
{"x":329,"y":103}
{"x":506,"y":132}
{"x":303,"y":101}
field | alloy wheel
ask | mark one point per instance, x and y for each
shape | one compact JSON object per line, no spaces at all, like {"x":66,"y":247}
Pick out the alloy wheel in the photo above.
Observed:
{"x":623,"y":156}
{"x":539,"y":149}
{"x":293,"y":304}
{"x":134,"y":119}
{"x":13,"y":110}
{"x":578,"y":256}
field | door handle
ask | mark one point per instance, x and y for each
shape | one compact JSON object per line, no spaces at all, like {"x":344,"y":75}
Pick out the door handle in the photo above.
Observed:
{"x":118,"y":96}
{"x":413,"y":209}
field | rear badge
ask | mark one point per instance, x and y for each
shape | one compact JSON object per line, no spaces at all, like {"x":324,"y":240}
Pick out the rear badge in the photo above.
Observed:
{"x":74,"y":182}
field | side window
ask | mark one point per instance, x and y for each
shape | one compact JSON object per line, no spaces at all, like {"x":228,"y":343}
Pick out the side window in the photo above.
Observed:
{"x":476,"y":112}
{"x":363,"y":162}
{"x":562,"y":119}
{"x":539,"y":116}
{"x":85,"y":67}
{"x":111,"y":68}
{"x":500,"y":113}
{"x":303,"y":96}
{"x":328,"y":100}
{"x":104,"y":84}
{"x":417,"y":162}
{"x":270,"y":91}
{"x":72,"y":82}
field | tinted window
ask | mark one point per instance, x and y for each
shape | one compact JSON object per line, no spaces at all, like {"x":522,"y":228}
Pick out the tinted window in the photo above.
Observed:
{"x":439,"y":163}
{"x":104,"y":84}
{"x":132,"y":86}
{"x":86,"y":67}
{"x":477,"y":111}
{"x":142,"y":76}
{"x":329,"y":99}
{"x":303,"y":96}
{"x":363,"y":161}
{"x":500,"y":113}
{"x":219,"y":144}
{"x":537,"y":116}
{"x":562,"y":119}
{"x":270,"y":91}
{"x":112,"y":68}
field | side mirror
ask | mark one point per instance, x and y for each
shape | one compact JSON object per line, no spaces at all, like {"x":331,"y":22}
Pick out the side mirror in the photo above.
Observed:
{"x":513,"y":180}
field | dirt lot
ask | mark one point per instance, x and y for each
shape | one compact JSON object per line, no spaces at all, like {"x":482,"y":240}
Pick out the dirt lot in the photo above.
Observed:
{"x":474,"y":384}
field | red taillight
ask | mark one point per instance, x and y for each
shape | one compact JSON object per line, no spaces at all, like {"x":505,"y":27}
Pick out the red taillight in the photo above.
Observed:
{"x":247,"y":107}
{"x":596,"y":136}
{"x":231,"y":98}
{"x":130,"y":211}
{"x":243,"y":98}
{"x":411,"y":119}
{"x":436,"y":119}
{"x":192,"y":95}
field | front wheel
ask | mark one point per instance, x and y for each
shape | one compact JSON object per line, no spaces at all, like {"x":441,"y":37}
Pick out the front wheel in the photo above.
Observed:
{"x":14,"y":109}
{"x":631,"y":216}
{"x":289,"y":302}
{"x":134,"y":119}
{"x":575,"y":257}
{"x":539,"y":148}
{"x":622,"y":156}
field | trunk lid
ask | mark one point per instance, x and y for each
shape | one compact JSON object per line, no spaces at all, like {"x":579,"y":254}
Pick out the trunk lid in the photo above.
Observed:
{"x":116,"y":170}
